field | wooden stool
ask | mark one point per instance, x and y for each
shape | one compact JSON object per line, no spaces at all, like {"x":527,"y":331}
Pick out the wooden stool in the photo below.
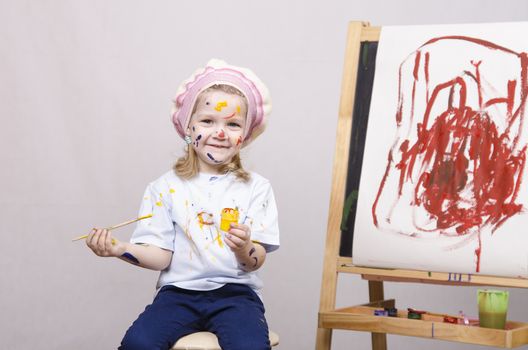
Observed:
{"x":208,"y":341}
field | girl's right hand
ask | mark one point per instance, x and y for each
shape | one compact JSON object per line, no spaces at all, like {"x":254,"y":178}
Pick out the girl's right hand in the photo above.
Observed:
{"x":100,"y":241}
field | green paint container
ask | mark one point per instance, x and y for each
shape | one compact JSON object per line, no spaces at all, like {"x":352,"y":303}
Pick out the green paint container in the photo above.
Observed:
{"x":493,"y":308}
{"x":414,"y":316}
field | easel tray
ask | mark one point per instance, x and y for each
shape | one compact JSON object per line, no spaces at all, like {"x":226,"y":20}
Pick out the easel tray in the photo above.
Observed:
{"x":361,"y":318}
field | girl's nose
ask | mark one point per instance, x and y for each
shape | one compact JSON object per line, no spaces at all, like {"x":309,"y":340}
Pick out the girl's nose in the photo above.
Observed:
{"x":221,"y":133}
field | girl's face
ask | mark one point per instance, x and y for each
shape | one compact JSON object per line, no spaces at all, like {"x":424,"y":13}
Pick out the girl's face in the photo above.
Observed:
{"x":217,"y":128}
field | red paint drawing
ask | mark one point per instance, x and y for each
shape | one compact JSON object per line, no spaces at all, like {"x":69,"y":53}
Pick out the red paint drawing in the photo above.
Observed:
{"x":458,"y":160}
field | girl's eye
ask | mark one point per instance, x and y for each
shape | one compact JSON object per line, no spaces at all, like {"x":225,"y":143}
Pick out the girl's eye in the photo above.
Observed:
{"x":206,"y":121}
{"x":234,"y":125}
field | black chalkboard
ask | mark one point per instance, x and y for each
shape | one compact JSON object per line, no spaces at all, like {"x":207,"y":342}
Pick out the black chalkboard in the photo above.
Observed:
{"x":365,"y":82}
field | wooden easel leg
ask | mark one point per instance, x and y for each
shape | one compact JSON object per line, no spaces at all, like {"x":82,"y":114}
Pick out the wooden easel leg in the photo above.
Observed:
{"x":324,"y":339}
{"x":379,"y":340}
{"x":337,"y":198}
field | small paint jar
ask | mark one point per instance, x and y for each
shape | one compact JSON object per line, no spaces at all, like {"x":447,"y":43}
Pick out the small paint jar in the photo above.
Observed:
{"x":414,"y":316}
{"x":380,"y":313}
{"x":450,"y":319}
{"x":392,"y":311}
{"x":228,"y":216}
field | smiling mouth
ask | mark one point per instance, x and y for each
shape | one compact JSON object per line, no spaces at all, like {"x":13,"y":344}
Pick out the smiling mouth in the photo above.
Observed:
{"x":217,"y":146}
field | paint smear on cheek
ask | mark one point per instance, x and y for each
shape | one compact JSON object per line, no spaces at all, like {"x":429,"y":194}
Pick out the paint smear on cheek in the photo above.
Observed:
{"x":198,"y":138}
{"x":239,"y":141}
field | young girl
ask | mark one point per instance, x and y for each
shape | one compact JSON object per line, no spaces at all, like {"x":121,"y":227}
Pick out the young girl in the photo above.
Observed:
{"x":212,"y":221}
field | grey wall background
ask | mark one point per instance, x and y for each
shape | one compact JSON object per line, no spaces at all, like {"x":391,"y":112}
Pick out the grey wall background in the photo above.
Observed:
{"x":85,"y":92}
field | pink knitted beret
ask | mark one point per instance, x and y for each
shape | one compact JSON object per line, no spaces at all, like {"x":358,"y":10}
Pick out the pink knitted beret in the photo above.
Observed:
{"x":219,"y":72}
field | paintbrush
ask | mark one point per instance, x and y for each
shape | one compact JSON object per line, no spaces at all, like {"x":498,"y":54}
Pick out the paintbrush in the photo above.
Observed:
{"x":116,"y":226}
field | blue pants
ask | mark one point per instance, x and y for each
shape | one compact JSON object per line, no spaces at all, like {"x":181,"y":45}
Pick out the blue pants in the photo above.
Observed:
{"x":233,"y":312}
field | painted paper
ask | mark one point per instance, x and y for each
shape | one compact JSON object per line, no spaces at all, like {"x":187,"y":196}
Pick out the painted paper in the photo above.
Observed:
{"x":443,"y":182}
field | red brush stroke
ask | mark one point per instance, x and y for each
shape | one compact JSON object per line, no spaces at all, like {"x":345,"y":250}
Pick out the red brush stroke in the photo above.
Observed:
{"x":469,"y":171}
{"x":230,"y":116}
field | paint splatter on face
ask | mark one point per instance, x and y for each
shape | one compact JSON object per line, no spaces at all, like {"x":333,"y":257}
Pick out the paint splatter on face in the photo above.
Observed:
{"x":218,"y":124}
{"x":212,"y":158}
{"x":198,"y":138}
{"x":230,"y":116}
{"x":220,"y":105}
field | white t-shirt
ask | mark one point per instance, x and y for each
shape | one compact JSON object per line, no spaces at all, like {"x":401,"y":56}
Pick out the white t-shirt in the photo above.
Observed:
{"x":186,"y":221}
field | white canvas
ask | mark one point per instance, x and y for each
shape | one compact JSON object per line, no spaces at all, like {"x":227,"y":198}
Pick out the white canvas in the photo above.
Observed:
{"x":448,"y":108}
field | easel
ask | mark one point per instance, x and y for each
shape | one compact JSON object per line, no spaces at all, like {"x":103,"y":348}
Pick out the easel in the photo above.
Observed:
{"x":360,"y":318}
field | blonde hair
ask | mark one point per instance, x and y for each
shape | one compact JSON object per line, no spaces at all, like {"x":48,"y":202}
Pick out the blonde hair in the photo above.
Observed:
{"x":187,"y":166}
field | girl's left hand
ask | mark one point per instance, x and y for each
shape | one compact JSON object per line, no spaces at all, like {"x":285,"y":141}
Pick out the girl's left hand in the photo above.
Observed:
{"x":238,"y":237}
